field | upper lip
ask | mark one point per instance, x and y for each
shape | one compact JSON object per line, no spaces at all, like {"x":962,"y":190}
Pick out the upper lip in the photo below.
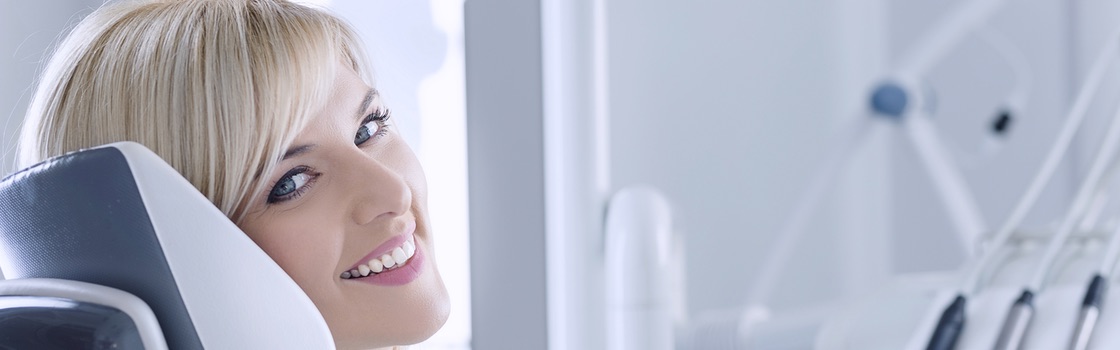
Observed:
{"x":388,"y":246}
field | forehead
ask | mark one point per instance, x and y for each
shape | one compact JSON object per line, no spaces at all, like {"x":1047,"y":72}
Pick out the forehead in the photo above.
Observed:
{"x":346,"y":80}
{"x":349,"y":100}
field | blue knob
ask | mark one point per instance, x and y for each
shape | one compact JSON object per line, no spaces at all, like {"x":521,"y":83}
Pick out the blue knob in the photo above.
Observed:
{"x":889,"y":100}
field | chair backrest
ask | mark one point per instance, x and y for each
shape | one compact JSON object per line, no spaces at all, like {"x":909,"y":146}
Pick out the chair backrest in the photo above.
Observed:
{"x":119,"y":216}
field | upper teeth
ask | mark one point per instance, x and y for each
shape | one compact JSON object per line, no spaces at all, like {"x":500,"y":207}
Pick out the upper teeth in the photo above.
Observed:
{"x":395,"y":258}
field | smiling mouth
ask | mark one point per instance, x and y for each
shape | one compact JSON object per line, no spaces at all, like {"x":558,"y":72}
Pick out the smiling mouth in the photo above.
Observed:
{"x":394,"y":259}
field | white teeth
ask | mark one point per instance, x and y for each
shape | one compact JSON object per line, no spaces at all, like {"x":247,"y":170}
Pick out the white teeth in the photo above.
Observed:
{"x":397,"y":257}
{"x":409,"y":249}
{"x":388,"y":261}
{"x":376,"y":266}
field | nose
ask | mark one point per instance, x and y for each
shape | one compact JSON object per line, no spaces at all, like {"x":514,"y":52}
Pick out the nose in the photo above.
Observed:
{"x":379,"y":191}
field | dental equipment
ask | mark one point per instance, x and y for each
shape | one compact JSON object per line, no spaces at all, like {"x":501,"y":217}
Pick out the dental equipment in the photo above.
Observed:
{"x":893,"y":99}
{"x":1090,"y":311}
{"x":1095,"y":292}
{"x":1019,"y":317}
{"x":951,"y":322}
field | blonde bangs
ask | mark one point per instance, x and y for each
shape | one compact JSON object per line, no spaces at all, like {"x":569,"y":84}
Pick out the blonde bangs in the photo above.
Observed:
{"x":217,"y":88}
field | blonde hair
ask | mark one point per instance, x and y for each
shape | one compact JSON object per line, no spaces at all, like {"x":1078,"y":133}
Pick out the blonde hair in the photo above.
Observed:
{"x":217,"y":88}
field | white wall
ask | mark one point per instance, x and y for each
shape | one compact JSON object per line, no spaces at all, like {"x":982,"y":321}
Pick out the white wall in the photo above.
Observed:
{"x":723,"y":106}
{"x":27,"y":30}
{"x":506,"y":174}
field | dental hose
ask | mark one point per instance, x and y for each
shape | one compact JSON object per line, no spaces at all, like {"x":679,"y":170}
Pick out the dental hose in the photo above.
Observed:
{"x":1022,"y":311}
{"x":951,"y":323}
{"x":952,"y":320}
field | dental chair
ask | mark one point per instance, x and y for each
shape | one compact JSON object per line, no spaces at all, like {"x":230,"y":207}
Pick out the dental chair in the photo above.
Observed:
{"x":110,"y":248}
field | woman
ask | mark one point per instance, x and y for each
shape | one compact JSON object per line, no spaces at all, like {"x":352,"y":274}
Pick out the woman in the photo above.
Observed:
{"x":266,"y":107}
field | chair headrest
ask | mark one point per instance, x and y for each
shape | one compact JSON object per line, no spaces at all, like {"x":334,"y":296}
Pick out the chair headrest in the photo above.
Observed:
{"x":54,"y":314}
{"x":119,"y":216}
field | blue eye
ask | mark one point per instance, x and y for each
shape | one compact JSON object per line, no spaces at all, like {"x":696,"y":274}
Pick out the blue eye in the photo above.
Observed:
{"x":291,"y":185}
{"x":373,"y":126}
{"x":364,"y":132}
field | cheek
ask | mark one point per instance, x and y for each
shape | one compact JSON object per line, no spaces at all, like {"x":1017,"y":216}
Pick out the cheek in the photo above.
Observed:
{"x":410,"y":169}
{"x":301,"y":243}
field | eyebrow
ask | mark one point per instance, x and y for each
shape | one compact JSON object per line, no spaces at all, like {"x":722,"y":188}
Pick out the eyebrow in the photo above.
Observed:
{"x":301,"y":149}
{"x":295,"y":151}
{"x":365,"y":102}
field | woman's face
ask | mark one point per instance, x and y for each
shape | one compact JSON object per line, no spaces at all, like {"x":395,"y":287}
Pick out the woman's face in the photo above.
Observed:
{"x":347,"y":200}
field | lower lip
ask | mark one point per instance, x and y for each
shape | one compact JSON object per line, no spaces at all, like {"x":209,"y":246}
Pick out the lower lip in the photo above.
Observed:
{"x":401,"y":275}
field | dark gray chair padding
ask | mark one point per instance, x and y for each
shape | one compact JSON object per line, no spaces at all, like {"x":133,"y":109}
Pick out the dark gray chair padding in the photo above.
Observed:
{"x":80,"y":217}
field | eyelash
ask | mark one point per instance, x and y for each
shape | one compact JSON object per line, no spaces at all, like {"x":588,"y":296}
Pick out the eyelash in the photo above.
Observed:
{"x":298,"y":191}
{"x":381,"y":116}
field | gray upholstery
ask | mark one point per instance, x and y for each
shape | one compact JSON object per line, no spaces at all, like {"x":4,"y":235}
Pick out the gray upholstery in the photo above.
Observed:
{"x":80,"y":217}
{"x":44,"y":323}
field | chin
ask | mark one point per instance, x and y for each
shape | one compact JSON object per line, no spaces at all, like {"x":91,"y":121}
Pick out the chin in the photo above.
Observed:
{"x":418,"y":319}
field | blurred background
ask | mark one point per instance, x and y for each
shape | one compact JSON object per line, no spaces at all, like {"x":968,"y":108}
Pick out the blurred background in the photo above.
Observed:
{"x":543,"y":110}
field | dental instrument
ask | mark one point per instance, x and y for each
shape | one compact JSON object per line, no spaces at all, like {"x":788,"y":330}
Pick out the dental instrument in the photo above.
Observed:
{"x":951,"y":322}
{"x":1019,"y":317}
{"x":1089,"y":313}
{"x":1091,"y":303}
